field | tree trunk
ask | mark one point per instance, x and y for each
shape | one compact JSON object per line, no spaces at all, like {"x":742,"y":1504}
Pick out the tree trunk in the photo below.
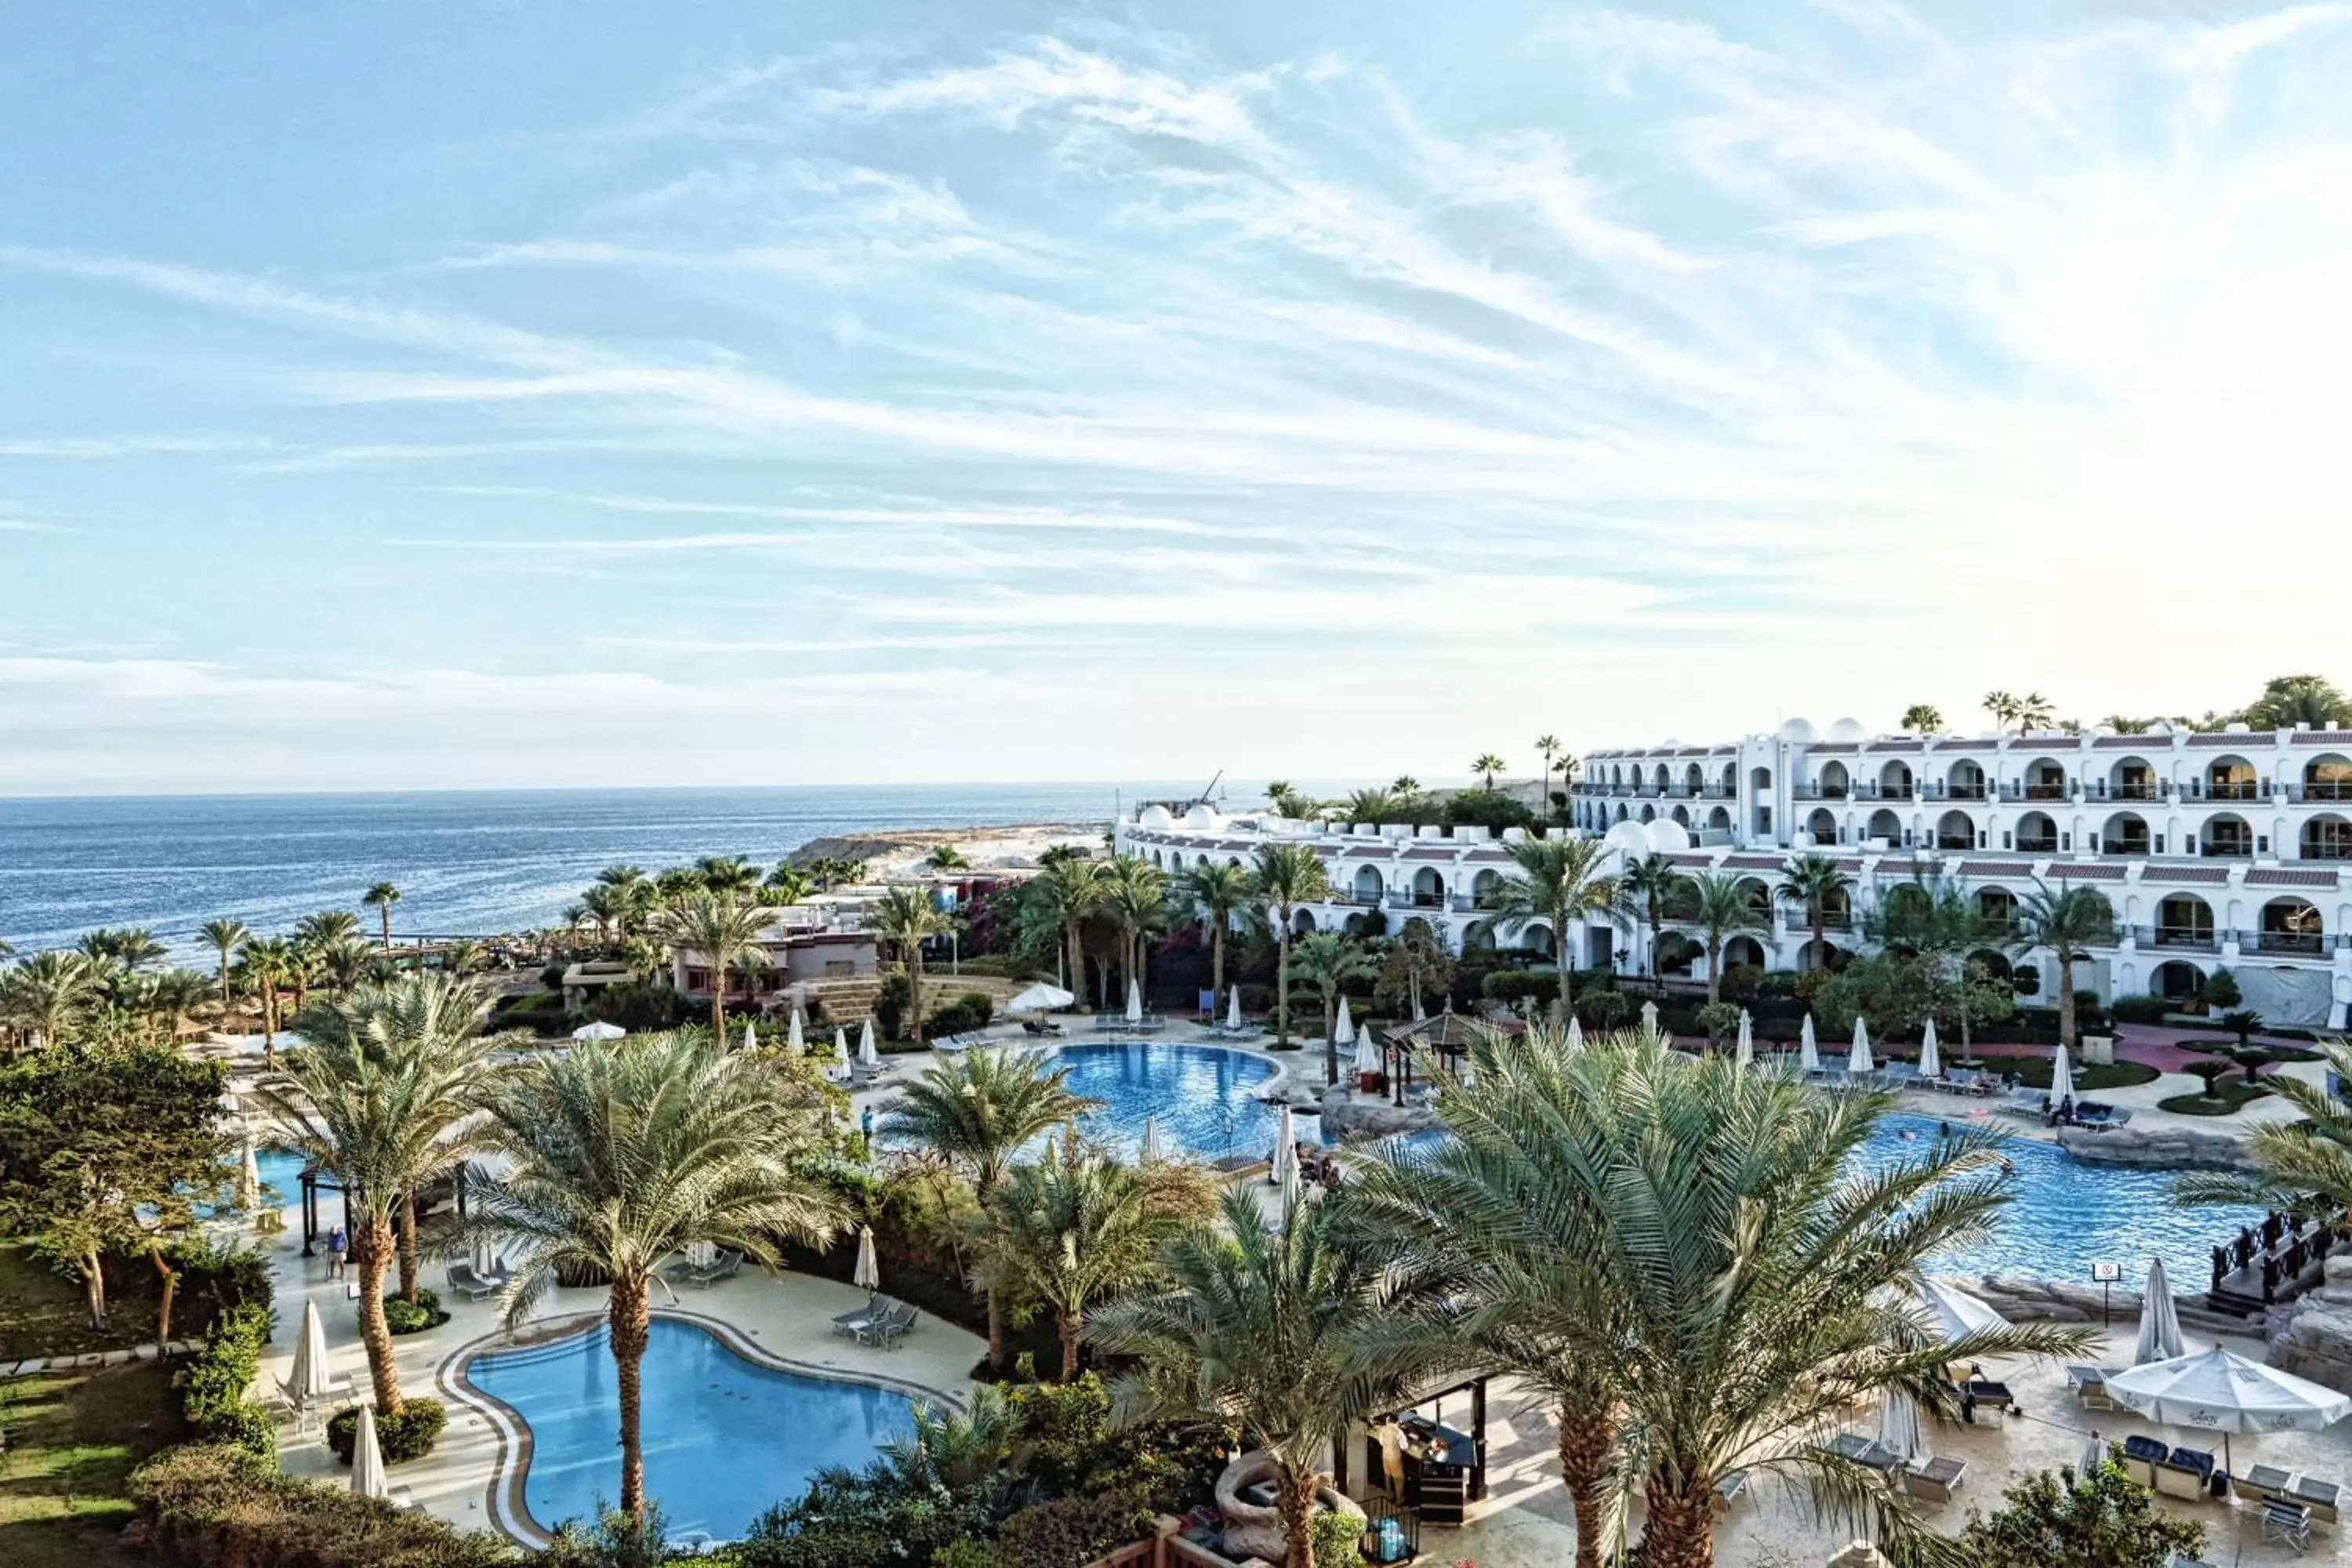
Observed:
{"x":408,"y":1246}
{"x":372,"y":1242}
{"x":269,"y":1025}
{"x":1560,"y":940}
{"x":385,"y":911}
{"x":1282,"y":986}
{"x":1332,"y":1038}
{"x":995,"y":1331}
{"x":1072,"y":1325}
{"x":171,"y":1290}
{"x":1297,"y":1502}
{"x":631,"y":1318}
{"x":1217,"y":954}
{"x":1657,"y":931}
{"x":93,"y":1288}
{"x":2065,"y":1000}
{"x":1680,"y":1530}
{"x":1585,"y":1451}
{"x":223,"y":979}
{"x":915,"y":992}
{"x":1714,"y":971}
{"x":1821,"y":938}
{"x":718,"y":1005}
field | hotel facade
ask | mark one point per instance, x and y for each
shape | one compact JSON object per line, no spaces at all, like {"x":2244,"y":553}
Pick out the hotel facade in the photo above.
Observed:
{"x":2227,"y":849}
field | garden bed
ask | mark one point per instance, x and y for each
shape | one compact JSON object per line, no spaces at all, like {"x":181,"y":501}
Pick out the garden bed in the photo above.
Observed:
{"x":2228,"y":1094}
{"x":2089,"y":1077}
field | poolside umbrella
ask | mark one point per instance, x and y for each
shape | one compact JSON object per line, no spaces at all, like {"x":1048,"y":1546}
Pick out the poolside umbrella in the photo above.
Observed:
{"x":868,"y":1057}
{"x":1370,"y":1058}
{"x":1745,"y":1051}
{"x":2160,"y":1323}
{"x":2062,"y":1078}
{"x":1233,"y":1009}
{"x":308,"y":1386}
{"x":840,"y":1068}
{"x":1463,"y":1075}
{"x":867,"y":1275}
{"x":1344,"y":1031}
{"x":1650,"y":1019}
{"x":1957,"y":1314}
{"x":794,"y":1035}
{"x":1151,"y":1149}
{"x":1039,"y":998}
{"x":2095,"y":1458}
{"x":1931,"y":1061}
{"x":750,"y":1040}
{"x":702,"y":1254}
{"x":599,"y":1030}
{"x":1857,"y":1061}
{"x":2218,"y":1392}
{"x":486,"y":1259}
{"x":1286,"y":1151}
{"x":1134,"y":1001}
{"x":248,"y":1180}
{"x":1575,"y":1033}
{"x":1809,"y":1058}
{"x":367,"y":1457}
{"x":1420,"y":1013}
{"x":1898,"y":1426}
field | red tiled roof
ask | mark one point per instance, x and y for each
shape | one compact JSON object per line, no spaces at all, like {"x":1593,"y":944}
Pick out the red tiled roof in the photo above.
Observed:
{"x":2186,"y":874}
{"x":1428,"y":852}
{"x":1754,"y":862}
{"x":2341,"y":737}
{"x":2131,"y":742}
{"x":1834,"y":748}
{"x":2285,"y":878}
{"x":2255,"y":738}
{"x":2021,"y":866}
{"x":1898,"y":746}
{"x":2088,"y":873}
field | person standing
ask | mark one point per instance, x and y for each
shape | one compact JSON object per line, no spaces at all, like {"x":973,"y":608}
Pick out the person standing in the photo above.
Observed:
{"x":338,"y":1246}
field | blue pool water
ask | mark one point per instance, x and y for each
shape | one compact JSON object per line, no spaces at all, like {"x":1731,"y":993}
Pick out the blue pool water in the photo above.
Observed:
{"x":1204,"y":1097}
{"x":724,"y":1441}
{"x":281,"y":1169}
{"x":2065,"y":1217}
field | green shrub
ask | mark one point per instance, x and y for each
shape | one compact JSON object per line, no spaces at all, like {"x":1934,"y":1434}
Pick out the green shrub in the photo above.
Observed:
{"x":211,"y":1506}
{"x":2253,"y":1058}
{"x":2209,"y":1072}
{"x":973,"y":1010}
{"x":212,"y":1384}
{"x":1519,"y":984}
{"x":1720,"y":1020}
{"x":410,"y":1434}
{"x":2219,"y":991}
{"x":1072,"y":1532}
{"x":1337,"y":1538}
{"x":403,"y":1317}
{"x":2050,"y":1520}
{"x":966,"y":1554}
{"x":1606,"y":1009}
{"x":2141,"y":1009}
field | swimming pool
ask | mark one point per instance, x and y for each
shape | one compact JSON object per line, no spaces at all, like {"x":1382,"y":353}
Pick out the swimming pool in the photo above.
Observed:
{"x":1204,"y":1097}
{"x":724,"y":1439}
{"x":2066,"y":1215}
{"x":281,"y":1169}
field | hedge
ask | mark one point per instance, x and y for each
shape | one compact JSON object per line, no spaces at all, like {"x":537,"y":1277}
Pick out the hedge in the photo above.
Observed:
{"x":212,"y":1384}
{"x":410,"y":1434}
{"x":402,"y":1318}
{"x":206,"y":1505}
{"x":1070,"y":1532}
{"x":973,"y":1010}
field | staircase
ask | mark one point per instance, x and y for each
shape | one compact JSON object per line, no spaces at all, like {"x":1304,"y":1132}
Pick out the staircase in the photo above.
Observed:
{"x":847,"y":1001}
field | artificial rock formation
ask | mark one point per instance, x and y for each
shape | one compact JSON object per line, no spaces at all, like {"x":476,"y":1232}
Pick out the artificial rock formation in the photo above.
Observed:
{"x":1255,"y":1530}
{"x":2311,"y":1336}
{"x":2163,"y":1148}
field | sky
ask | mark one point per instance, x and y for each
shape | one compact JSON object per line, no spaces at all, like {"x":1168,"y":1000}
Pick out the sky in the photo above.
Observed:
{"x":605,"y":393}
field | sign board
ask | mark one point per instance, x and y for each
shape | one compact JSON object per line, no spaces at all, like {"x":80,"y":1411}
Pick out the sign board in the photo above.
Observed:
{"x":2107,"y":1273}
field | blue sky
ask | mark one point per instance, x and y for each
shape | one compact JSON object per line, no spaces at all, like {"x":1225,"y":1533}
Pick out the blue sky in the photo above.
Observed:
{"x":605,"y":392}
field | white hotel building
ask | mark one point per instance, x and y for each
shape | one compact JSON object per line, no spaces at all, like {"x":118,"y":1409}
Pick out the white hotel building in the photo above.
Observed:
{"x":2219,"y":850}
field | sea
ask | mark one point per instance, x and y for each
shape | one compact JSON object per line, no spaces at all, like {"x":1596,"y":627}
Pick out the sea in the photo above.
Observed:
{"x":466,"y":862}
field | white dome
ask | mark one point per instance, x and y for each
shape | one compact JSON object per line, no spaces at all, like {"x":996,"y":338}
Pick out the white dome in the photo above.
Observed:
{"x":1848,"y":730}
{"x":1666,"y":836}
{"x":1798,"y":730}
{"x":1202,"y":814}
{"x":1632,"y":838}
{"x":1154,"y":817}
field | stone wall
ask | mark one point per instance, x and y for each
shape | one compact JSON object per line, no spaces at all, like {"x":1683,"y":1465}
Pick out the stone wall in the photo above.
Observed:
{"x":1348,"y":1116}
{"x":2162,"y":1148}
{"x":2312,"y":1335}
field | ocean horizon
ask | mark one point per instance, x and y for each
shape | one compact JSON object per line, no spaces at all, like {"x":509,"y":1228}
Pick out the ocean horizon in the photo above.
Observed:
{"x":465,"y":860}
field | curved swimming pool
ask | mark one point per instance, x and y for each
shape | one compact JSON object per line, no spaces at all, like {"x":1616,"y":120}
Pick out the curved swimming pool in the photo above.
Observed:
{"x":1204,"y":1097}
{"x":725,"y":1439}
{"x":2066,"y":1215}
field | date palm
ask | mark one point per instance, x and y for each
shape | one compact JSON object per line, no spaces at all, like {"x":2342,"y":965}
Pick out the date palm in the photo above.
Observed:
{"x":382,"y":1098}
{"x":792,"y":883}
{"x":611,"y":907}
{"x":1137,"y":903}
{"x":2069,"y":923}
{"x":1813,"y":883}
{"x":1722,"y":908}
{"x":172,"y":994}
{"x":269,"y":963}
{"x":2302,"y":1167}
{"x":465,"y":957}
{"x":1281,"y":878}
{"x":1328,"y":961}
{"x":905,"y":920}
{"x":1217,"y":892}
{"x":1486,"y":765}
{"x":47,"y":994}
{"x":727,"y":875}
{"x":1072,"y":1231}
{"x":226,"y":936}
{"x":1647,"y":886}
{"x":626,"y":1154}
{"x":722,"y":931}
{"x":1923,"y":719}
{"x":381,"y":898}
{"x":131,"y":947}
{"x":1070,"y":891}
{"x":1371,"y":806}
{"x":1288,"y":800}
{"x":1548,"y":748}
{"x":1559,"y":880}
{"x":1259,"y":1335}
{"x":347,"y":963}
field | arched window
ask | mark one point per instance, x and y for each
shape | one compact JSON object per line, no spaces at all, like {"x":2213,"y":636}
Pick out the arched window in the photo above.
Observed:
{"x":1956,"y":830}
{"x":2290,"y":925}
{"x":2327,"y":778}
{"x":1822,"y":825}
{"x":2184,"y":919}
{"x":1895,"y":780}
{"x":2037,"y":834}
{"x":2126,"y":833}
{"x":2327,"y":836}
{"x":1886,"y":825}
{"x":2227,"y":834}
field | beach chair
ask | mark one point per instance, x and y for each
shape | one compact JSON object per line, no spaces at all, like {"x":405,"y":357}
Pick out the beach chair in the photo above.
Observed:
{"x":2289,"y":1522}
{"x":2029,"y":1102}
{"x":722,"y":1266}
{"x":1935,"y":1479}
{"x":2318,"y":1495}
{"x":848,"y":1324}
{"x":2090,"y":1385}
{"x":1730,"y":1489}
{"x":884,"y":1331}
{"x":462,"y":1277}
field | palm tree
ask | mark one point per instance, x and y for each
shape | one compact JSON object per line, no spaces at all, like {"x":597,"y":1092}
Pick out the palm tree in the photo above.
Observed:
{"x":173,"y":995}
{"x":1559,"y":880}
{"x":1260,"y":1334}
{"x":2034,"y":711}
{"x":1371,"y":806}
{"x":1487,"y":765}
{"x":381,"y":898}
{"x":270,"y":962}
{"x":1813,"y":883}
{"x":48,"y":994}
{"x":1288,"y":800}
{"x":792,"y":883}
{"x":1217,"y":890}
{"x":1923,"y":719}
{"x":946,"y":857}
{"x":1070,"y":891}
{"x":2002,"y":706}
{"x":2291,"y":700}
{"x":2302,"y":1166}
{"x":722,"y":931}
{"x":1137,"y":903}
{"x":465,"y":956}
{"x":727,"y":875}
{"x":2069,"y":923}
{"x":1721,"y":906}
{"x":1548,"y":748}
{"x":1649,"y":884}
{"x":132,"y":947}
{"x":225,"y":935}
{"x":625,"y":1153}
{"x":906,"y":919}
{"x":1283,"y":876}
{"x":1328,"y":961}
{"x":610,"y":907}
{"x":1071,"y":1231}
{"x":347,"y":963}
{"x":381,"y":1099}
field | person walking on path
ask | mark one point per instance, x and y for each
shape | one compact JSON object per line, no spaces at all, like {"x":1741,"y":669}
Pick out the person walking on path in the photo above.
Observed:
{"x":338,"y":1249}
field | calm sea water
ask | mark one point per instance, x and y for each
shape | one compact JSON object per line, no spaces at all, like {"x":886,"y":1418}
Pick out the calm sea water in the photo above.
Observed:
{"x":469,"y":861}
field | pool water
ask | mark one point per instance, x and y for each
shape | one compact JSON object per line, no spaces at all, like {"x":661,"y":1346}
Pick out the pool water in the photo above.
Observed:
{"x":724,"y":1439}
{"x":282,"y":1170}
{"x":1204,"y":1097}
{"x":2065,"y":1215}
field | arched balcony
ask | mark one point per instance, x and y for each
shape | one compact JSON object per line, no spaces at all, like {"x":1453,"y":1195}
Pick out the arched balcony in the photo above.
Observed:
{"x":1965,"y":782}
{"x":2135,"y":778}
{"x":1693,"y":780}
{"x":1367,"y":887}
{"x":1886,"y":825}
{"x":1658,"y":780}
{"x":1486,"y":889}
{"x":2184,"y":919}
{"x":1956,"y":830}
{"x":2290,"y":925}
{"x":2226,"y":836}
{"x":1822,"y":825}
{"x":1760,"y":895}
{"x":2176,"y":980}
{"x":2036,"y":834}
{"x":2125,"y":833}
{"x":2233,"y":778}
{"x":1719,"y":819}
{"x":1833,"y":783}
{"x":1429,"y":887}
{"x":2044,"y":778}
{"x":2327,"y":778}
{"x":1996,"y":910}
{"x":2326,"y":836}
{"x":1894,"y":781}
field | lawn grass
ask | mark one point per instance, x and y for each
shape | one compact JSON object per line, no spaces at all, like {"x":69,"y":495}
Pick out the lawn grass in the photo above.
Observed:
{"x":2228,"y":1095}
{"x":2089,"y":1077}
{"x":42,"y":1312}
{"x":73,"y":1439}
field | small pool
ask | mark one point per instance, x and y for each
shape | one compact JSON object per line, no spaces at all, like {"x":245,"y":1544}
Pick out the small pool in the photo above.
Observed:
{"x":1204,"y":1097}
{"x":724,"y":1439}
{"x":2066,"y":1215}
{"x":281,"y":1169}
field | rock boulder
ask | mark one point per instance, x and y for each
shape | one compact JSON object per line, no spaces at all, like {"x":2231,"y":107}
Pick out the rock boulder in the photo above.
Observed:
{"x":2164,"y":1148}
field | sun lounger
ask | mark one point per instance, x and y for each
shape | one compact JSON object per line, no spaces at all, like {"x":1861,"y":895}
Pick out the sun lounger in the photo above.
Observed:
{"x":722,"y":1266}
{"x":1935,"y":1479}
{"x":462,"y":1277}
{"x":2090,"y":1385}
{"x":2289,"y":1522}
{"x":2318,"y":1495}
{"x":886,"y":1329}
{"x":1730,"y":1489}
{"x":1861,"y":1450}
{"x":848,"y":1324}
{"x":2031,"y":1103}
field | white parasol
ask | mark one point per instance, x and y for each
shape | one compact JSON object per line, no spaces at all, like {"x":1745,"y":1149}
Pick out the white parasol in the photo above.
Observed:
{"x":1370,"y":1058}
{"x":1233,"y":1009}
{"x":1957,"y":1314}
{"x":2159,"y":1322}
{"x":1650,"y":1019}
{"x":840,"y":1068}
{"x":248,"y":1180}
{"x":1809,"y":1058}
{"x":309,"y":1382}
{"x":1039,"y":998}
{"x":1857,"y":1061}
{"x":1465,"y":1074}
{"x":367,"y":1457}
{"x":2062,"y":1078}
{"x":2095,"y":1457}
{"x":1134,"y":1001}
{"x":867,"y":1275}
{"x":795,"y":1034}
{"x":1151,"y":1149}
{"x":1931,"y":1061}
{"x":868,"y":1057}
{"x":1575,"y":1033}
{"x":1344,"y":1032}
{"x":751,"y":1038}
{"x":1420,"y":1013}
{"x":2216,"y":1391}
{"x":1285,"y":1173}
{"x":599,"y":1030}
{"x":1898,"y":1426}
{"x":1745,"y":1051}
